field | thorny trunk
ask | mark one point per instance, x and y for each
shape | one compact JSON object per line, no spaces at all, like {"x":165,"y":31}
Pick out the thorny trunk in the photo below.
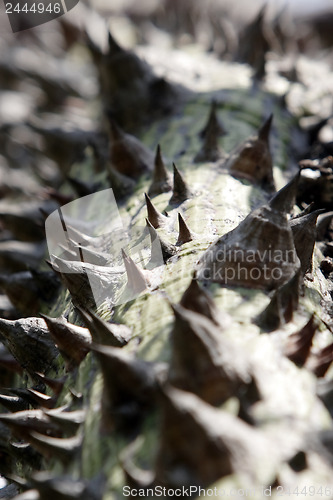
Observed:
{"x":206,"y":362}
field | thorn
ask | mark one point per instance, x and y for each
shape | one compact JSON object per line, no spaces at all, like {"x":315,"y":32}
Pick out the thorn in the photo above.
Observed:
{"x":264,"y":131}
{"x":159,"y":246}
{"x":129,"y":386}
{"x":196,"y":299}
{"x":121,"y":184}
{"x":180,"y":190}
{"x":246,"y":256}
{"x":63,"y":449}
{"x":56,"y":385}
{"x":155,"y":218}
{"x":213,"y":122}
{"x":103,"y":332}
{"x":42,"y":399}
{"x":114,"y":47}
{"x":211,"y":150}
{"x":127,"y":154}
{"x":254,"y":44}
{"x":305,"y":211}
{"x":202,"y":361}
{"x":23,"y":422}
{"x":161,"y":178}
{"x":299,"y":343}
{"x":73,"y":341}
{"x":285,"y":199}
{"x":136,"y":280}
{"x":219,"y":437}
{"x":68,"y":421}
{"x":13,"y":403}
{"x":252,"y":160}
{"x":282,"y":305}
{"x":185,"y":234}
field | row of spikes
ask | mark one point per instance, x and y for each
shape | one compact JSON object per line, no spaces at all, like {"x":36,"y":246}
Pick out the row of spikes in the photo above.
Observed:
{"x":130,"y":158}
{"x":200,"y":331}
{"x":264,"y":231}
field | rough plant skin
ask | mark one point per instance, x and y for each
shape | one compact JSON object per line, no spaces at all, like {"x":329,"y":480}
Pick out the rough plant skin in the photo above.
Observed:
{"x":203,"y":381}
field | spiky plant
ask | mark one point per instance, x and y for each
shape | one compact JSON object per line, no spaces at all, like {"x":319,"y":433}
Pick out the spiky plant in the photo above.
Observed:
{"x":213,"y":369}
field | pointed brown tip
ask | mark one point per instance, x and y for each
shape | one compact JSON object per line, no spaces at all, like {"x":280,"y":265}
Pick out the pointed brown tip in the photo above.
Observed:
{"x":135,"y":278}
{"x":264,"y":131}
{"x":180,"y":189}
{"x":161,"y":177}
{"x":185,"y":234}
{"x":284,"y":200}
{"x":154,"y":216}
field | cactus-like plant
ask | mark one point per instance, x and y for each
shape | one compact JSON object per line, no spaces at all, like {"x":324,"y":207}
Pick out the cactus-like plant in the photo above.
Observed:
{"x":205,"y":364}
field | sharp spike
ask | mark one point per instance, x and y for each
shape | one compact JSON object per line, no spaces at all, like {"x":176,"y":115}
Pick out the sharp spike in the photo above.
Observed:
{"x":247,"y":255}
{"x":63,"y":449}
{"x":211,"y":150}
{"x":103,"y":332}
{"x":129,"y":386}
{"x":42,"y":399}
{"x":29,"y":342}
{"x":264,"y":131}
{"x":203,"y":362}
{"x":217,"y":436}
{"x":73,"y":341}
{"x":56,"y":385}
{"x":155,"y":218}
{"x":23,"y":422}
{"x":213,"y":122}
{"x":121,"y":184}
{"x":196,"y":299}
{"x":127,"y":154}
{"x":285,"y":199}
{"x":304,"y":233}
{"x":299,"y":343}
{"x":252,"y":159}
{"x":68,"y":421}
{"x":162,"y":182}
{"x":282,"y":305}
{"x":305,"y":211}
{"x":185,"y":234}
{"x":180,"y":189}
{"x":159,"y":246}
{"x":136,"y":280}
{"x":13,"y":403}
{"x":254,"y":44}
{"x":114,"y":47}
